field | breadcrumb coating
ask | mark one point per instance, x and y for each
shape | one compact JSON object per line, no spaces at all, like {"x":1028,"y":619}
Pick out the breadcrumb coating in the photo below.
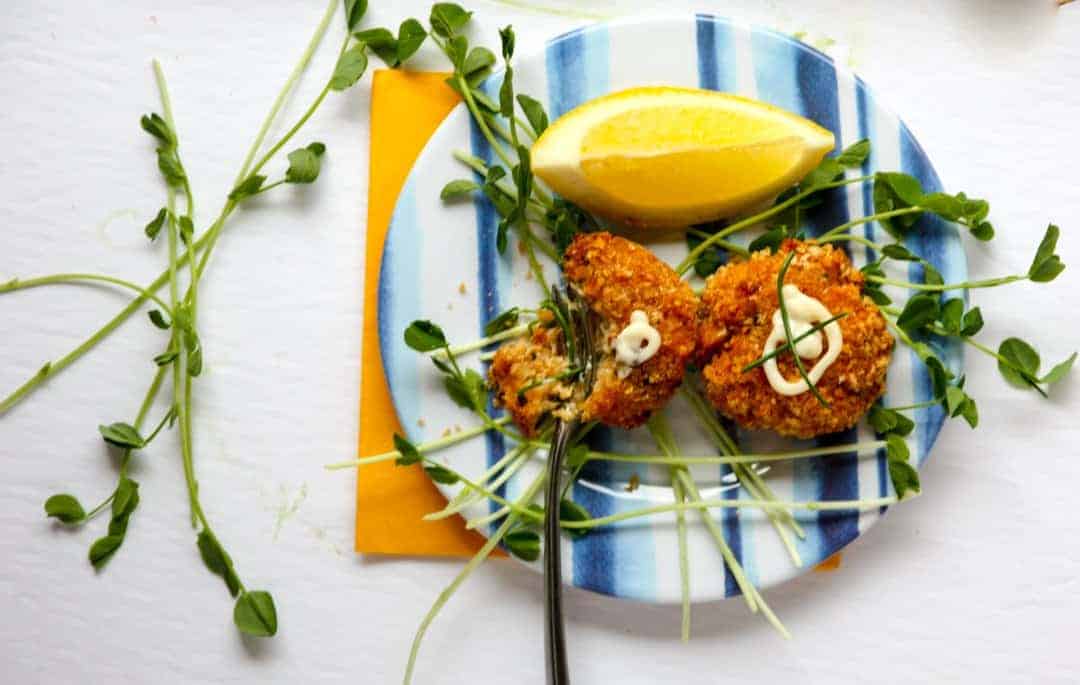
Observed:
{"x":735,"y":319}
{"x":615,"y":277}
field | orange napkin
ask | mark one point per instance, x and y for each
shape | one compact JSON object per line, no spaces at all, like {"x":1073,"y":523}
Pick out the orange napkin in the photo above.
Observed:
{"x":406,"y":108}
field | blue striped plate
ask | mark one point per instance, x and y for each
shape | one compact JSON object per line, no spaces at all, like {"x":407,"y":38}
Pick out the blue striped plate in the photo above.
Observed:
{"x":440,"y":264}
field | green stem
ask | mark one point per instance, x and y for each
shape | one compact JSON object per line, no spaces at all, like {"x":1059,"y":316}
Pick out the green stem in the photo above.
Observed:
{"x":787,"y":346}
{"x":692,"y":257}
{"x":279,"y":101}
{"x":429,"y":446}
{"x":831,"y":233}
{"x":966,"y":285}
{"x":507,"y":188}
{"x":19,"y":284}
{"x":508,"y":334}
{"x":471,"y":566}
{"x":850,"y":237}
{"x":787,"y":330}
{"x":917,"y":405}
{"x":684,"y":558}
{"x":726,"y":244}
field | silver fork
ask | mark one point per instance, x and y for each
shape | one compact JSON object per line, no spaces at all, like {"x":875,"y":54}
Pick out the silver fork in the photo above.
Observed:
{"x":581,"y":325}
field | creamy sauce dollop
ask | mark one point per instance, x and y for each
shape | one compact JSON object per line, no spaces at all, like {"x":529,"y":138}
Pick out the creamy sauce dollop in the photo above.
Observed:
{"x":637,"y":343}
{"x":803,"y":312}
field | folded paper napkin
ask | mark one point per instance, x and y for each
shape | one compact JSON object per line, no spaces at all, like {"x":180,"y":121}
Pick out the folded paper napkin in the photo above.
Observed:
{"x":406,"y":108}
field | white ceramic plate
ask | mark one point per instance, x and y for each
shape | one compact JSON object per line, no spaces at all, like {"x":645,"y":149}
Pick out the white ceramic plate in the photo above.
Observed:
{"x":440,"y":263}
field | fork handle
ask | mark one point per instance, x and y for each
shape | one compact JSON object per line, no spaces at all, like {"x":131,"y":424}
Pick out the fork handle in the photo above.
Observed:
{"x":554,"y":634}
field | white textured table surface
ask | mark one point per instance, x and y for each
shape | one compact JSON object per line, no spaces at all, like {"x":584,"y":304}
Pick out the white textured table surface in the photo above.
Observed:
{"x":976,"y":581}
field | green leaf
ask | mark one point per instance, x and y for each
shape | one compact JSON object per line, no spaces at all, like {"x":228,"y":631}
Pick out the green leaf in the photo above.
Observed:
{"x":506,"y":40}
{"x":103,"y":549}
{"x":523,"y":544}
{"x":506,"y":93}
{"x":170,"y":167}
{"x":854,"y":155}
{"x":248,"y":187}
{"x":478,"y":59}
{"x":382,"y":42}
{"x":187,"y":229}
{"x":899,"y":252}
{"x":156,"y":126}
{"x":534,"y":112}
{"x":424,"y":336}
{"x":440,"y":474}
{"x":354,"y":12}
{"x":122,"y":435}
{"x":570,"y":510}
{"x":411,"y":36}
{"x":954,"y":400}
{"x":944,"y":205}
{"x":952,"y":314}
{"x":65,"y":508}
{"x":888,"y":421}
{"x":577,"y":455}
{"x":218,"y":561}
{"x":1059,"y":371}
{"x":1046,"y":266}
{"x":194,"y":352}
{"x":984,"y":230}
{"x":770,"y":239}
{"x":447,"y":18}
{"x":154,"y":227}
{"x":158,"y":319}
{"x":255,"y":614}
{"x":166,"y":358}
{"x":970,"y":412}
{"x":455,"y":190}
{"x":304,"y":164}
{"x":502,"y":322}
{"x":931,"y":276}
{"x":903,"y":426}
{"x":409,"y":454}
{"x":896,"y":448}
{"x":125,"y":497}
{"x":457,"y":49}
{"x":919,"y":311}
{"x":877,"y":295}
{"x":905,"y":479}
{"x":350,"y":67}
{"x":905,"y":186}
{"x":468,"y":391}
{"x":1022,"y":367}
{"x":972,"y":322}
{"x":827,"y":171}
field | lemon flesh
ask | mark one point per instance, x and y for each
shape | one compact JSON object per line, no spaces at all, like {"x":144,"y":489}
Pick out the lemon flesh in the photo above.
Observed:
{"x":666,"y":157}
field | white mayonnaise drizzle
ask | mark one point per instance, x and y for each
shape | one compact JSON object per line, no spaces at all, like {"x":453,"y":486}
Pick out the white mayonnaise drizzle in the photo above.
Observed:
{"x":803,"y":313}
{"x":637,"y":343}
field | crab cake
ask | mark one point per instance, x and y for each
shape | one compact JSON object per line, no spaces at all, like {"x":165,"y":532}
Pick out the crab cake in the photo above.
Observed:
{"x":735,"y":319}
{"x":518,"y":368}
{"x":616,"y":278}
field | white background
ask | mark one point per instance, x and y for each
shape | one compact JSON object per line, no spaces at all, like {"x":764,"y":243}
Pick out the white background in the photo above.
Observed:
{"x":976,"y":581}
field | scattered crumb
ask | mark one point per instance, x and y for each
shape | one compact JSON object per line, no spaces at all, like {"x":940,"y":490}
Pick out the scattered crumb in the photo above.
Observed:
{"x":446,"y":433}
{"x":528,"y":275}
{"x":521,"y":248}
{"x":421,"y":423}
{"x":457,"y":428}
{"x":461,"y":288}
{"x":633,"y":483}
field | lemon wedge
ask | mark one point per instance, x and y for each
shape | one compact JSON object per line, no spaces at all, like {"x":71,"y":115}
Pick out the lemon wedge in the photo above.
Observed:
{"x":666,"y":157}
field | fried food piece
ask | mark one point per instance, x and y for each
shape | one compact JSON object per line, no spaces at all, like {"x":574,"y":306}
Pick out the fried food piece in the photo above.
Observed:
{"x":735,"y":319}
{"x":522,"y":363}
{"x":615,"y":277}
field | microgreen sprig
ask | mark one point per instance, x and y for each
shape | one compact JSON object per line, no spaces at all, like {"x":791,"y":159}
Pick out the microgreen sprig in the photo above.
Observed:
{"x":787,"y":330}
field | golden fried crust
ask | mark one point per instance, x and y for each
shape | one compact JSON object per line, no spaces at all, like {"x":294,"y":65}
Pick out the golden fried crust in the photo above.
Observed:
{"x":735,"y":319}
{"x":519,"y":363}
{"x":616,"y":277}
